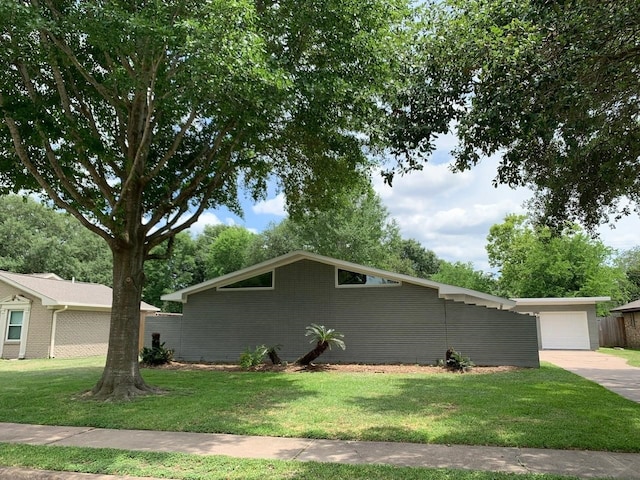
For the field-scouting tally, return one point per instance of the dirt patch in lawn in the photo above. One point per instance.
(330, 367)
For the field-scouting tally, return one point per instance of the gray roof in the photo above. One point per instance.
(56, 292)
(629, 307)
(449, 292)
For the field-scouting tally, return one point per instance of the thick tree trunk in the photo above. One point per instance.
(313, 354)
(121, 379)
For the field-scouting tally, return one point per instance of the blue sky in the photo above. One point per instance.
(448, 213)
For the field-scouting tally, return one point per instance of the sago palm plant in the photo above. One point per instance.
(324, 338)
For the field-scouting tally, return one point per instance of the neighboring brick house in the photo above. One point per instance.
(631, 314)
(42, 316)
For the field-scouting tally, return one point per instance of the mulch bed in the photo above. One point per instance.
(329, 367)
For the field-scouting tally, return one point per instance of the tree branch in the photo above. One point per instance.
(44, 184)
(174, 147)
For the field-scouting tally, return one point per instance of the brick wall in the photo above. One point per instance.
(632, 329)
(81, 334)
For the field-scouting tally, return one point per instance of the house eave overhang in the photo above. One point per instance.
(55, 303)
(558, 301)
(77, 306)
(45, 300)
(628, 307)
(447, 292)
(90, 307)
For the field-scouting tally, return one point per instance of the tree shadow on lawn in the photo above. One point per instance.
(548, 409)
(206, 401)
(217, 402)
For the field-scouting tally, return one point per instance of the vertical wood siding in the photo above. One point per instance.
(405, 324)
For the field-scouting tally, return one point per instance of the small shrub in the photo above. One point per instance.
(252, 358)
(272, 353)
(157, 355)
(456, 361)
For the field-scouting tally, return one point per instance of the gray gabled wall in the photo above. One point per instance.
(391, 324)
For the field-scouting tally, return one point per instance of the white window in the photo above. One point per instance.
(15, 324)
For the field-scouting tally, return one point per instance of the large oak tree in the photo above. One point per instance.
(552, 87)
(137, 115)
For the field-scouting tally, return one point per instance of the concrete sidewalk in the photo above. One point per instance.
(583, 464)
(609, 371)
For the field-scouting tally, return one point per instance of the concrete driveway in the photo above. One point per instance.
(609, 371)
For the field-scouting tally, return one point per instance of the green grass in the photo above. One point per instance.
(545, 408)
(632, 356)
(192, 467)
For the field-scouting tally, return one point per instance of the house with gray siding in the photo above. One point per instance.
(43, 316)
(385, 317)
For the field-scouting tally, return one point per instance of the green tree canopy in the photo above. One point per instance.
(137, 116)
(464, 275)
(551, 87)
(35, 238)
(356, 228)
(629, 262)
(422, 262)
(174, 270)
(536, 261)
(229, 251)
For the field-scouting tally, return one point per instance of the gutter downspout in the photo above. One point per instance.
(54, 324)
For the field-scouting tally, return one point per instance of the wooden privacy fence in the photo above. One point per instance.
(611, 332)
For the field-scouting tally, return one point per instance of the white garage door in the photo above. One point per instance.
(564, 330)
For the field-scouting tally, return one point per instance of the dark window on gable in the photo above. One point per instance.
(264, 280)
(347, 277)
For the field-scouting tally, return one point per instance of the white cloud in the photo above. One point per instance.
(272, 206)
(451, 213)
(207, 218)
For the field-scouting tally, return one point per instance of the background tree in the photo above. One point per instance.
(35, 238)
(629, 262)
(422, 262)
(137, 116)
(535, 261)
(464, 275)
(202, 245)
(173, 271)
(356, 227)
(275, 240)
(551, 87)
(229, 251)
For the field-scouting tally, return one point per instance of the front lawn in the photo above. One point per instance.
(632, 356)
(546, 407)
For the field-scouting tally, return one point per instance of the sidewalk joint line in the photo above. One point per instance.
(304, 449)
(89, 429)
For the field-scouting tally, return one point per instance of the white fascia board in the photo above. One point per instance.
(79, 306)
(89, 307)
(522, 302)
